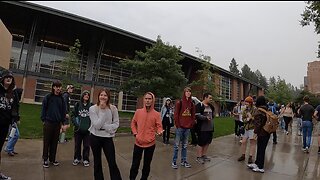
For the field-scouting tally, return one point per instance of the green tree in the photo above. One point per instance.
(314, 100)
(233, 67)
(261, 80)
(156, 70)
(205, 80)
(279, 91)
(245, 71)
(311, 14)
(70, 65)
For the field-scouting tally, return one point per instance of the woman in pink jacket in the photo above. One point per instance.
(145, 125)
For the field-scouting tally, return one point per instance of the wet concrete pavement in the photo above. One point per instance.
(284, 161)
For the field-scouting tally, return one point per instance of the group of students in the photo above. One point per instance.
(250, 121)
(96, 125)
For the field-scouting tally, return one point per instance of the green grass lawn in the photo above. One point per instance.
(223, 126)
(31, 125)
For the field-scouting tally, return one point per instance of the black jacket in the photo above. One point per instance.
(201, 118)
(9, 106)
(53, 109)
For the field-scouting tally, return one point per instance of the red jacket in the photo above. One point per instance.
(184, 114)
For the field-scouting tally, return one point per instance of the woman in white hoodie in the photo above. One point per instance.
(104, 124)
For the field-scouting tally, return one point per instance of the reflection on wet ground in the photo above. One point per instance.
(285, 161)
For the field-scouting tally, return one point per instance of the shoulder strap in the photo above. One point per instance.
(263, 110)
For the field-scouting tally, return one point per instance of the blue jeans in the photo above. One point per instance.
(307, 133)
(181, 136)
(12, 141)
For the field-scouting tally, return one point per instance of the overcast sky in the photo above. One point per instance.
(264, 35)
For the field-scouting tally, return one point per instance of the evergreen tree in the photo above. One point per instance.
(246, 72)
(233, 67)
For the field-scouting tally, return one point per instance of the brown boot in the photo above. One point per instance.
(242, 157)
(250, 161)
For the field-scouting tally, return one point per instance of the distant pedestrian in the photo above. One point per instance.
(82, 123)
(53, 115)
(145, 125)
(104, 124)
(287, 114)
(236, 112)
(204, 115)
(317, 115)
(9, 108)
(66, 125)
(184, 118)
(260, 119)
(272, 108)
(306, 111)
(299, 121)
(167, 120)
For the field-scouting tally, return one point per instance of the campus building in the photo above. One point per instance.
(313, 77)
(41, 37)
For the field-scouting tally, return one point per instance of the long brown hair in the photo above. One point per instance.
(107, 91)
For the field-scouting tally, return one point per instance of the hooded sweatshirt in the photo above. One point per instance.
(9, 102)
(81, 118)
(145, 124)
(184, 114)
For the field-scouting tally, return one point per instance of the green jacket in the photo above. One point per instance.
(81, 119)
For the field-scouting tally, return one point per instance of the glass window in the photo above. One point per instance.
(129, 102)
(43, 87)
(225, 87)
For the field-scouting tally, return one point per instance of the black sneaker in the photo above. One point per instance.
(319, 150)
(55, 163)
(45, 164)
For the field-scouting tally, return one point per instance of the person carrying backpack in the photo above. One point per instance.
(184, 119)
(82, 122)
(260, 119)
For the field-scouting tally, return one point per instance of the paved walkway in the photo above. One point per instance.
(284, 161)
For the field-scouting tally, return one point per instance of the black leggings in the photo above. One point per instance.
(287, 121)
(237, 125)
(166, 127)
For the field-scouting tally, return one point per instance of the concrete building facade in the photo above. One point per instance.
(313, 77)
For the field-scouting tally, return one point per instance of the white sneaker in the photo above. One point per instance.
(4, 177)
(258, 170)
(86, 163)
(75, 162)
(252, 166)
